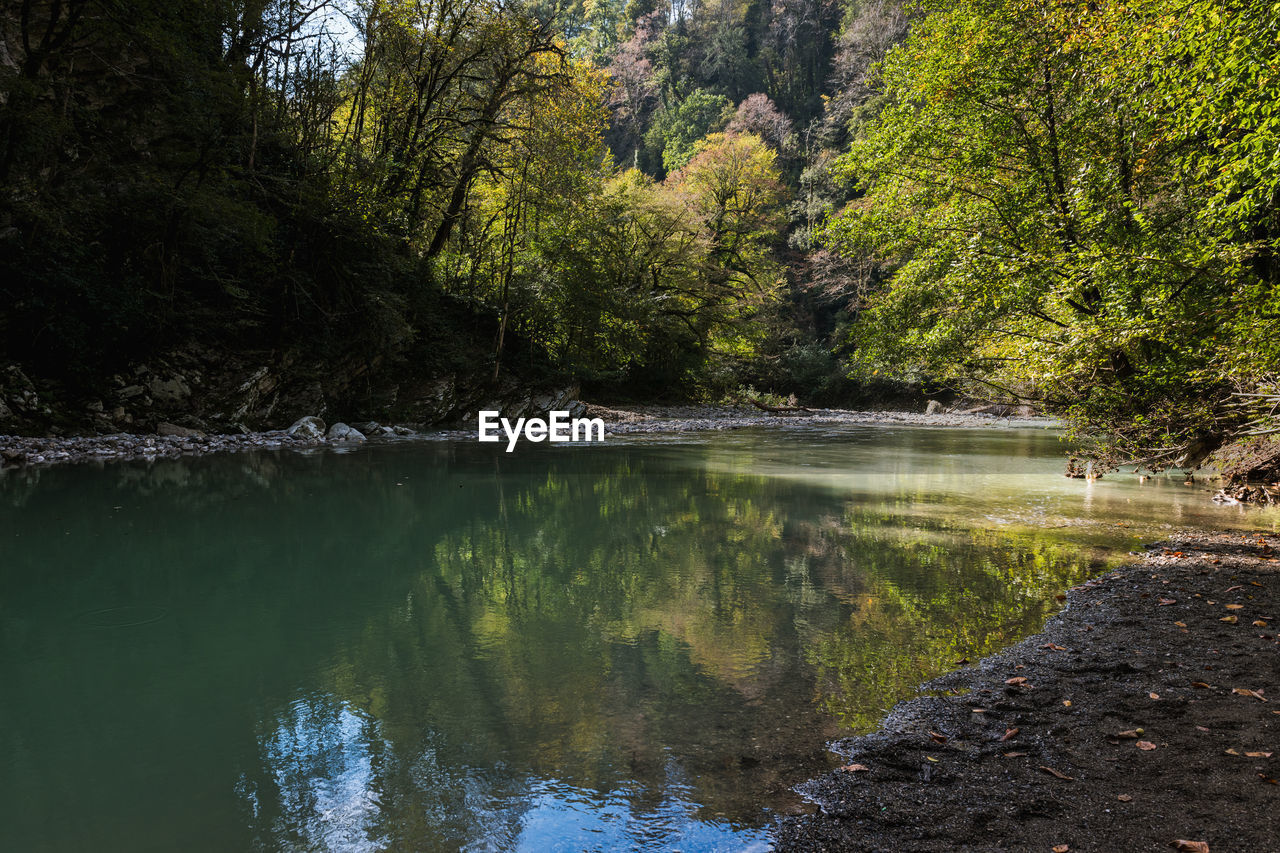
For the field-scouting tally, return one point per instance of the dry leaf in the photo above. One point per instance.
(1057, 773)
(1230, 620)
(1054, 647)
(1234, 588)
(938, 738)
(1125, 798)
(1185, 846)
(1257, 755)
(1146, 745)
(1200, 684)
(1201, 729)
(855, 768)
(1008, 733)
(1181, 624)
(1231, 752)
(1259, 623)
(1133, 733)
(1235, 607)
(1154, 695)
(978, 710)
(1165, 602)
(1060, 848)
(1014, 754)
(1017, 679)
(1268, 779)
(1066, 703)
(1244, 691)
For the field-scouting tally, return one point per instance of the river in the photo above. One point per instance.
(434, 646)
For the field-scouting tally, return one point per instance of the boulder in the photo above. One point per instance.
(934, 408)
(307, 427)
(171, 392)
(342, 432)
(180, 431)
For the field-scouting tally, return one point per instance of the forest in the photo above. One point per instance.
(1066, 204)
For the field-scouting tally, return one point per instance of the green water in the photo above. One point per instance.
(636, 645)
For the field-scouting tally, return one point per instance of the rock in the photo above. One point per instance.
(170, 392)
(5, 411)
(180, 431)
(402, 430)
(368, 427)
(934, 408)
(342, 432)
(307, 427)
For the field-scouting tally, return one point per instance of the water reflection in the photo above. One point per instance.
(437, 647)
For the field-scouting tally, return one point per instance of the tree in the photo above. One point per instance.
(1041, 200)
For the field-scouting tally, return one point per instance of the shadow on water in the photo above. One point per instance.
(641, 645)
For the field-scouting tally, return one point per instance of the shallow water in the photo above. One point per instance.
(636, 645)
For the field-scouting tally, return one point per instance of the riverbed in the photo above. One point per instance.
(640, 644)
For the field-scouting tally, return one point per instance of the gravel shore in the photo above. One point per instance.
(22, 450)
(1144, 715)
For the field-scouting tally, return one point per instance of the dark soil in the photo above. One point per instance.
(987, 765)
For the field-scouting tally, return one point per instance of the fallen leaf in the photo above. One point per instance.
(1066, 703)
(1054, 646)
(1268, 779)
(1201, 729)
(1259, 623)
(1257, 755)
(1244, 691)
(855, 768)
(1133, 733)
(1017, 679)
(1185, 846)
(1165, 602)
(938, 738)
(1009, 733)
(1154, 695)
(1125, 798)
(1146, 745)
(1230, 752)
(978, 710)
(1057, 773)
(1014, 754)
(1060, 848)
(1234, 588)
(1181, 624)
(931, 758)
(1230, 620)
(1234, 606)
(1200, 684)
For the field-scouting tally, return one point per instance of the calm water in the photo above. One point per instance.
(640, 645)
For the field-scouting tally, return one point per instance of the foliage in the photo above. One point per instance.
(1067, 218)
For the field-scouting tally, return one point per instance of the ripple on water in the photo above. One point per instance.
(123, 616)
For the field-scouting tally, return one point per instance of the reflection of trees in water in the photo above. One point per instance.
(593, 626)
(435, 633)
